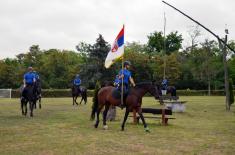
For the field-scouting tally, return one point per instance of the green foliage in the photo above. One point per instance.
(173, 42)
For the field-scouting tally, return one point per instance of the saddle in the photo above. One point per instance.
(116, 93)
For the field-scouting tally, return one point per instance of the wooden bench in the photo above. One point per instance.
(163, 112)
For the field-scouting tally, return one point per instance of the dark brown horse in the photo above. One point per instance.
(107, 96)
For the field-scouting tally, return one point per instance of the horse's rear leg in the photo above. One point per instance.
(105, 116)
(76, 100)
(143, 120)
(125, 118)
(97, 116)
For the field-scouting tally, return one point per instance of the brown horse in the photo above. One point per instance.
(107, 96)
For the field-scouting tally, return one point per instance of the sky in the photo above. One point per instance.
(62, 24)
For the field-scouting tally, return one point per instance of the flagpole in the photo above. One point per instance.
(122, 74)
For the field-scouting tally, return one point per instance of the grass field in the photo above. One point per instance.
(60, 128)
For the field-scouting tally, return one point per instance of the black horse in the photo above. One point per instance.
(171, 90)
(77, 91)
(107, 96)
(28, 95)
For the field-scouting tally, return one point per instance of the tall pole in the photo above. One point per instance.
(122, 80)
(122, 76)
(164, 50)
(226, 83)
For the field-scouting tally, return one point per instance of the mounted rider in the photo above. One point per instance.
(125, 76)
(164, 84)
(77, 82)
(29, 80)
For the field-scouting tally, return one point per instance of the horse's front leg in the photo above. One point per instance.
(125, 118)
(105, 116)
(143, 120)
(39, 101)
(73, 100)
(76, 99)
(31, 105)
(22, 106)
(35, 104)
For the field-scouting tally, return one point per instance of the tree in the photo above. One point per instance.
(156, 42)
(194, 32)
(93, 69)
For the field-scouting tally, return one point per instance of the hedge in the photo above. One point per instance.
(67, 93)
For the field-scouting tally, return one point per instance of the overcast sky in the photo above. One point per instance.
(62, 24)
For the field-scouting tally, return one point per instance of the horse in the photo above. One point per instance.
(171, 90)
(38, 90)
(76, 91)
(28, 95)
(107, 97)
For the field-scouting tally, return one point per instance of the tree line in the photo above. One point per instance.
(198, 66)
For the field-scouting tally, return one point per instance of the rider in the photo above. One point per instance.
(77, 82)
(125, 76)
(164, 84)
(29, 79)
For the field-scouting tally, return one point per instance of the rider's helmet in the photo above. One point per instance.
(127, 63)
(77, 76)
(30, 68)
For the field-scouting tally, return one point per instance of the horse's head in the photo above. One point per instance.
(151, 88)
(155, 91)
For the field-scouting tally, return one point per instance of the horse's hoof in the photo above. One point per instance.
(105, 127)
(96, 126)
(146, 129)
(31, 115)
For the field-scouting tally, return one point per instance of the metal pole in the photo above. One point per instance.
(164, 72)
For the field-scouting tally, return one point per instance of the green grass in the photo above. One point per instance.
(60, 128)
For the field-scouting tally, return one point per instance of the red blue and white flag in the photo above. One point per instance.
(117, 49)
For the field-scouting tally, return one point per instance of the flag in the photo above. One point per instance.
(117, 49)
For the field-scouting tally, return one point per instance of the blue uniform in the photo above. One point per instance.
(77, 82)
(164, 84)
(29, 77)
(127, 75)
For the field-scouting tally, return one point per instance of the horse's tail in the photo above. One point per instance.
(95, 104)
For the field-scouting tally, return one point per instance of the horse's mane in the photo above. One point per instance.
(143, 84)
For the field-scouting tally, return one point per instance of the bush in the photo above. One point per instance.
(67, 93)
(52, 93)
